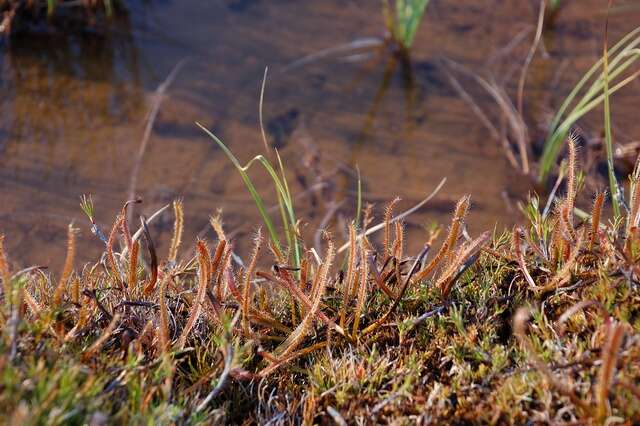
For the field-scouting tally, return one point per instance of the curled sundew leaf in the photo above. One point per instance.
(5, 272)
(215, 271)
(133, 266)
(152, 254)
(115, 270)
(596, 212)
(136, 236)
(380, 321)
(398, 243)
(454, 229)
(285, 280)
(388, 213)
(124, 225)
(447, 279)
(565, 215)
(163, 335)
(378, 279)
(255, 314)
(247, 294)
(349, 279)
(196, 307)
(610, 353)
(178, 227)
(279, 362)
(68, 265)
(362, 290)
(295, 338)
(564, 274)
(31, 302)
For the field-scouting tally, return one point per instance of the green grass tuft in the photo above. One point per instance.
(403, 18)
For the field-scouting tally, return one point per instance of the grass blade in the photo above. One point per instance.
(250, 187)
(613, 183)
(613, 63)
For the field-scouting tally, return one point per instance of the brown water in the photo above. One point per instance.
(73, 108)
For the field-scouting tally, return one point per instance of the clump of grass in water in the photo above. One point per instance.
(16, 9)
(605, 78)
(403, 18)
(53, 4)
(285, 200)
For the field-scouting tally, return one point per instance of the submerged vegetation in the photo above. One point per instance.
(539, 323)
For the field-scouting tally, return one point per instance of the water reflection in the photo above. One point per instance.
(400, 66)
(95, 72)
(66, 93)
